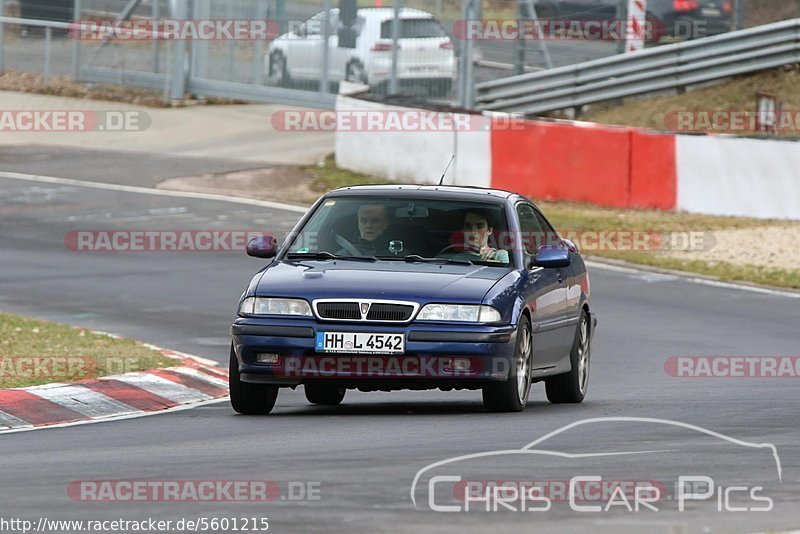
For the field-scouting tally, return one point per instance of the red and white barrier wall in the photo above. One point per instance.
(587, 162)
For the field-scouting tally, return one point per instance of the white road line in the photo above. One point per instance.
(693, 279)
(152, 191)
(84, 401)
(117, 417)
(9, 421)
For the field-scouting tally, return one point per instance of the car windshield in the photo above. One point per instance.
(410, 230)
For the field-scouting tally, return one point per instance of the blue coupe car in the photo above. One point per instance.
(382, 288)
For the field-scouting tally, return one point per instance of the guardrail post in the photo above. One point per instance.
(258, 46)
(395, 46)
(520, 44)
(178, 65)
(200, 48)
(326, 53)
(156, 45)
(48, 39)
(622, 24)
(739, 15)
(280, 15)
(466, 85)
(76, 34)
(2, 36)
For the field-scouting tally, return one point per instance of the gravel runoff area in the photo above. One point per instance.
(767, 246)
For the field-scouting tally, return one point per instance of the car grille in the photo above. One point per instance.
(378, 311)
(339, 310)
(390, 312)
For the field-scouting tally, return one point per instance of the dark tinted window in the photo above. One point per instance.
(414, 28)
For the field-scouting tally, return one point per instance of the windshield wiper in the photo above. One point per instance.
(416, 258)
(323, 255)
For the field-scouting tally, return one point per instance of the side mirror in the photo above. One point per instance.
(550, 256)
(263, 246)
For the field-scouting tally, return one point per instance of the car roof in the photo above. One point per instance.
(450, 192)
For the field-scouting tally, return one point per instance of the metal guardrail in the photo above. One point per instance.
(655, 69)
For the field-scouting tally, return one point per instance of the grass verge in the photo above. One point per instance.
(328, 176)
(34, 352)
(737, 94)
(575, 217)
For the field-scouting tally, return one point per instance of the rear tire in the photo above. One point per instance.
(512, 395)
(324, 395)
(246, 398)
(571, 387)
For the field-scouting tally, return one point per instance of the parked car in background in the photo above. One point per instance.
(688, 19)
(425, 55)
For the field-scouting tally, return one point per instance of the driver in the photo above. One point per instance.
(373, 221)
(476, 229)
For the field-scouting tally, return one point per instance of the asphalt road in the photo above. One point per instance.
(365, 454)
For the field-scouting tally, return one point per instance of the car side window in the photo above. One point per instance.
(550, 236)
(314, 25)
(532, 231)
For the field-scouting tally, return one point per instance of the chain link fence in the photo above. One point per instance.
(428, 53)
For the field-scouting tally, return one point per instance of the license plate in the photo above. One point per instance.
(358, 343)
(711, 12)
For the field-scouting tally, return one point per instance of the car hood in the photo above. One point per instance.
(381, 280)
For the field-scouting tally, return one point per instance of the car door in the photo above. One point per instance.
(305, 49)
(572, 277)
(544, 292)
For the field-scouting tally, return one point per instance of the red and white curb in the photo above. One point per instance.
(194, 382)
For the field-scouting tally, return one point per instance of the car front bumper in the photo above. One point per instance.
(427, 362)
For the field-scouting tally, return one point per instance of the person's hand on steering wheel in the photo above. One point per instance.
(487, 253)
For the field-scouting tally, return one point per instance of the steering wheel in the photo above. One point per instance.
(347, 245)
(470, 251)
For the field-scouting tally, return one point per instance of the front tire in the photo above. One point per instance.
(571, 387)
(246, 398)
(324, 395)
(512, 395)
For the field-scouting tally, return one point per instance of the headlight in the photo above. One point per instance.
(269, 306)
(459, 312)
